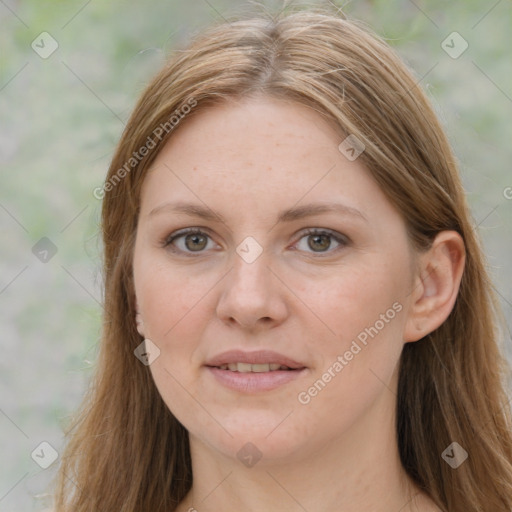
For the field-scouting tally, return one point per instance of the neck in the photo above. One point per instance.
(360, 471)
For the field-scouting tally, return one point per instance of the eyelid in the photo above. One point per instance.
(186, 231)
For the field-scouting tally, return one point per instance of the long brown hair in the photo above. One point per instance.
(126, 451)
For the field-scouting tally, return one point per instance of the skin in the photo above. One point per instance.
(247, 161)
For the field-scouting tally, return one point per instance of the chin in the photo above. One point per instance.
(257, 437)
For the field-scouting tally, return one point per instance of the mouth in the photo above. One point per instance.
(251, 372)
(255, 368)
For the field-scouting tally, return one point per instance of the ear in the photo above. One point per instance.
(436, 286)
(138, 320)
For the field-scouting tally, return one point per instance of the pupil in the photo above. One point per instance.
(316, 239)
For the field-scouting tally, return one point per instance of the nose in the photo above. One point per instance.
(252, 297)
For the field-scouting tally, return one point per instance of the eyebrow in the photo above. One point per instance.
(289, 215)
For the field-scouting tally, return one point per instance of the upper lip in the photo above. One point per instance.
(258, 357)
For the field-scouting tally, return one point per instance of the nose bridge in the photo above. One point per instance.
(251, 292)
(251, 274)
(251, 261)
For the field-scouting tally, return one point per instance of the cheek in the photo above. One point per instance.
(357, 300)
(172, 306)
(169, 300)
(357, 365)
(366, 310)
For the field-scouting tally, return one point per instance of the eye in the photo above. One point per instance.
(320, 240)
(194, 240)
(191, 240)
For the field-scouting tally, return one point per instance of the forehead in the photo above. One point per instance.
(264, 153)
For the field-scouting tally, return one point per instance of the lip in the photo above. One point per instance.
(252, 382)
(257, 357)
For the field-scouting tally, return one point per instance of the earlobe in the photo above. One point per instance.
(437, 285)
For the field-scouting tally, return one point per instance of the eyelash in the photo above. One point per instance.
(340, 239)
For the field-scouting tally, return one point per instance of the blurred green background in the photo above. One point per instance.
(61, 116)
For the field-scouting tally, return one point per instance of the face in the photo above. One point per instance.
(274, 276)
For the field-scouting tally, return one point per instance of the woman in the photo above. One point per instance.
(297, 312)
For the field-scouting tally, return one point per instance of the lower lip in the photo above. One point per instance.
(252, 382)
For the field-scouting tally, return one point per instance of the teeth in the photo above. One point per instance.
(252, 368)
(259, 368)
